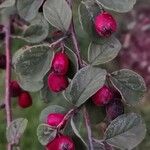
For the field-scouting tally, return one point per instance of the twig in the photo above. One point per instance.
(88, 127)
(74, 39)
(8, 78)
(67, 117)
(76, 44)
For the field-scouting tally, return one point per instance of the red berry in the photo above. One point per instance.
(54, 119)
(57, 83)
(60, 63)
(102, 96)
(105, 24)
(114, 109)
(61, 142)
(2, 61)
(25, 100)
(15, 89)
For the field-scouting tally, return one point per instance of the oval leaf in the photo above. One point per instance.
(86, 82)
(37, 31)
(87, 11)
(28, 9)
(131, 85)
(45, 134)
(103, 53)
(79, 128)
(7, 3)
(126, 131)
(73, 66)
(58, 14)
(28, 62)
(51, 109)
(118, 5)
(29, 85)
(15, 130)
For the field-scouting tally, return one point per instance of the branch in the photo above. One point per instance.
(76, 45)
(8, 78)
(88, 127)
(74, 39)
(67, 117)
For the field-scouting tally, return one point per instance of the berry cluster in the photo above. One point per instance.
(110, 100)
(57, 79)
(24, 98)
(60, 142)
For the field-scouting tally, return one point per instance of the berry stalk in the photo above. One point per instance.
(8, 78)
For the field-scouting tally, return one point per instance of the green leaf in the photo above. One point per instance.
(103, 53)
(51, 109)
(15, 130)
(29, 85)
(87, 11)
(37, 31)
(126, 131)
(7, 3)
(45, 134)
(28, 9)
(78, 126)
(28, 62)
(130, 85)
(73, 66)
(118, 5)
(58, 14)
(85, 83)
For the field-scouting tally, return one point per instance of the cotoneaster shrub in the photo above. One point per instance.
(50, 63)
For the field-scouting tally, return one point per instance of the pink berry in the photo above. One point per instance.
(15, 89)
(57, 83)
(61, 142)
(54, 119)
(105, 24)
(25, 100)
(102, 96)
(2, 61)
(60, 63)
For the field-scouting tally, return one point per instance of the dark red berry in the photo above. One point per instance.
(102, 96)
(54, 119)
(25, 100)
(105, 24)
(60, 63)
(57, 83)
(114, 109)
(2, 61)
(15, 89)
(61, 142)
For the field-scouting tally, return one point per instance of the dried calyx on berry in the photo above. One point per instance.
(57, 83)
(102, 96)
(114, 109)
(60, 63)
(2, 61)
(54, 119)
(105, 24)
(61, 142)
(15, 89)
(25, 100)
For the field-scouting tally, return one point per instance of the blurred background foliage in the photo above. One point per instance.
(134, 33)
